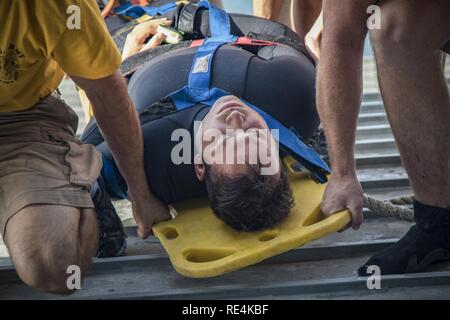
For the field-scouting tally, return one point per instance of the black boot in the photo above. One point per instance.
(112, 240)
(425, 243)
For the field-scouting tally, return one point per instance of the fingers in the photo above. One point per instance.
(163, 216)
(151, 27)
(330, 207)
(355, 206)
(142, 31)
(356, 209)
(142, 232)
(156, 40)
(164, 21)
(345, 228)
(159, 21)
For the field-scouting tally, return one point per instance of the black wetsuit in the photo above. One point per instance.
(283, 85)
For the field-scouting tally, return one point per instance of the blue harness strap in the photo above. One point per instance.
(198, 90)
(115, 184)
(198, 87)
(135, 11)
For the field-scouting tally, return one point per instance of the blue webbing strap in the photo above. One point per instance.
(199, 81)
(116, 185)
(136, 11)
(219, 22)
(304, 154)
(198, 91)
(198, 87)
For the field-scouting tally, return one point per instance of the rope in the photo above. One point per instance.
(392, 207)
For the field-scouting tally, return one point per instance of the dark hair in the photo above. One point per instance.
(249, 202)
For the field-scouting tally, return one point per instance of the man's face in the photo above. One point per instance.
(234, 138)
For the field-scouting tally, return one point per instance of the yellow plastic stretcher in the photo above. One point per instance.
(200, 245)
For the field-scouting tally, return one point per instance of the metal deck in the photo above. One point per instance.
(324, 269)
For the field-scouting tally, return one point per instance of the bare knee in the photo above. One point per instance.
(44, 244)
(48, 273)
(409, 28)
(48, 267)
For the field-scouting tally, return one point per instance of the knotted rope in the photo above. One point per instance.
(392, 207)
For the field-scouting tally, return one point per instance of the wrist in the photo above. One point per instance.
(343, 168)
(140, 192)
(347, 173)
(343, 164)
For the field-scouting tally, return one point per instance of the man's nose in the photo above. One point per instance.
(235, 120)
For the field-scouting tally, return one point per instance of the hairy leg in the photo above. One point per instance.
(269, 9)
(43, 240)
(415, 93)
(308, 13)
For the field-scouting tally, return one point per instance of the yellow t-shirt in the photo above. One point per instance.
(42, 39)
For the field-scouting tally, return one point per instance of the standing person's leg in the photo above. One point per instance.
(308, 12)
(299, 15)
(416, 97)
(415, 91)
(268, 9)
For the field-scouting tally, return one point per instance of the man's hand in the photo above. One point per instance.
(147, 211)
(341, 193)
(135, 41)
(144, 30)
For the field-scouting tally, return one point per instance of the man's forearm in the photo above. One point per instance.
(339, 81)
(119, 123)
(339, 91)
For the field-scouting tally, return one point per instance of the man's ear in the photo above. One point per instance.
(200, 171)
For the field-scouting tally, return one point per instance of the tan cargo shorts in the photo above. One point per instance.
(41, 160)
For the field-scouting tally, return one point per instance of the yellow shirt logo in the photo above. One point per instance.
(36, 48)
(9, 64)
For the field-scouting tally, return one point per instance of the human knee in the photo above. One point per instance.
(391, 37)
(45, 278)
(42, 245)
(404, 31)
(47, 268)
